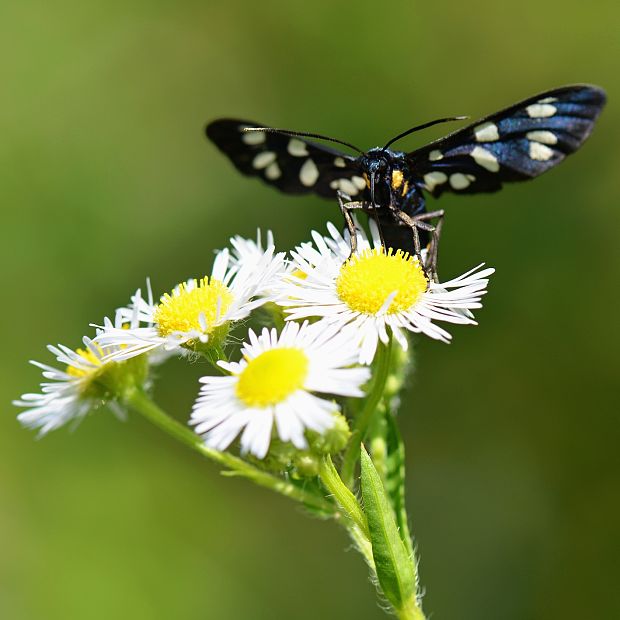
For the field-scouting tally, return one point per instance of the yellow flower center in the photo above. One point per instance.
(367, 279)
(272, 377)
(89, 356)
(181, 310)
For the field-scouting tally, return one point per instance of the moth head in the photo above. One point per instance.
(376, 162)
(377, 166)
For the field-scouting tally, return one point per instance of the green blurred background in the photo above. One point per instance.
(105, 177)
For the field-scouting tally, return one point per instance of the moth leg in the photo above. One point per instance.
(346, 206)
(407, 220)
(435, 230)
(418, 222)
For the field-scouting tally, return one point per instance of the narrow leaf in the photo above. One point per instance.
(394, 565)
(395, 480)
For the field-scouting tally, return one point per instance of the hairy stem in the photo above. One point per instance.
(366, 415)
(341, 493)
(355, 522)
(411, 611)
(137, 400)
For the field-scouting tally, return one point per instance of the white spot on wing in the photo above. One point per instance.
(339, 162)
(433, 179)
(347, 187)
(486, 132)
(541, 110)
(540, 152)
(262, 160)
(545, 137)
(309, 173)
(358, 182)
(459, 181)
(273, 171)
(548, 100)
(485, 158)
(253, 138)
(297, 148)
(435, 155)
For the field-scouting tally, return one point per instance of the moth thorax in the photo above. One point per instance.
(397, 179)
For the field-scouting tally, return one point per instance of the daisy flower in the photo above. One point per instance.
(197, 312)
(88, 381)
(249, 251)
(375, 290)
(273, 386)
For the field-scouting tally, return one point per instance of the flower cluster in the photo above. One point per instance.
(335, 308)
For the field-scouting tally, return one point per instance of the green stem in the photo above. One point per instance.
(411, 611)
(377, 443)
(366, 415)
(356, 522)
(214, 354)
(341, 493)
(138, 401)
(363, 545)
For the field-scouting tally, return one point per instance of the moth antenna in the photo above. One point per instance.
(302, 134)
(447, 119)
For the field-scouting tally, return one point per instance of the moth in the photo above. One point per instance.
(517, 143)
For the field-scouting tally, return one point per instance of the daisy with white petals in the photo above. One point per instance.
(246, 251)
(198, 312)
(273, 385)
(87, 381)
(375, 290)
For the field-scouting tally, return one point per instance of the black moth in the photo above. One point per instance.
(514, 144)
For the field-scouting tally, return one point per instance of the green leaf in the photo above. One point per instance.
(395, 480)
(394, 565)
